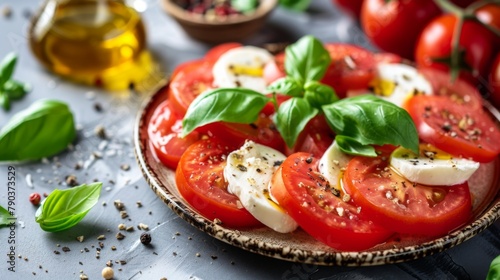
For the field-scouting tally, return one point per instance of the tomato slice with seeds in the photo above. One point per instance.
(401, 205)
(352, 68)
(315, 139)
(200, 180)
(460, 91)
(320, 209)
(164, 129)
(454, 128)
(189, 81)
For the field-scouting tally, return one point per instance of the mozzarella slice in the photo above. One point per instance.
(396, 83)
(432, 167)
(248, 172)
(332, 164)
(242, 67)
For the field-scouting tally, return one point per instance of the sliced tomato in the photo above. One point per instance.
(314, 139)
(352, 68)
(275, 69)
(164, 130)
(319, 209)
(454, 128)
(200, 180)
(401, 205)
(214, 53)
(460, 90)
(189, 81)
(262, 131)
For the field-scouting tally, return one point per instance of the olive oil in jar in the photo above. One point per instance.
(83, 38)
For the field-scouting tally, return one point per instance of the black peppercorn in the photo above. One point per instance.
(145, 238)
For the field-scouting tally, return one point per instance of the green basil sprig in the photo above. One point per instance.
(63, 209)
(10, 89)
(5, 217)
(43, 129)
(358, 122)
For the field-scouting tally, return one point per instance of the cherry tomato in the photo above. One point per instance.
(189, 81)
(495, 82)
(435, 43)
(351, 7)
(394, 26)
(460, 90)
(314, 139)
(454, 128)
(214, 53)
(320, 209)
(387, 58)
(401, 205)
(200, 180)
(164, 130)
(490, 14)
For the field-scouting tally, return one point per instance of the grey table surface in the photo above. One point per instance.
(178, 251)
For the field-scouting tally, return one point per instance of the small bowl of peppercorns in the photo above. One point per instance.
(218, 21)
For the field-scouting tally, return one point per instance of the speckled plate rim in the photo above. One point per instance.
(289, 253)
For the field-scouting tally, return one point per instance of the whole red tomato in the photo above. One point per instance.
(495, 82)
(490, 14)
(394, 26)
(435, 43)
(352, 7)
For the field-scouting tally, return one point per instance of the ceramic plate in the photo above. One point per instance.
(299, 246)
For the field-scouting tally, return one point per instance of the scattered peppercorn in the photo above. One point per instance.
(146, 238)
(35, 198)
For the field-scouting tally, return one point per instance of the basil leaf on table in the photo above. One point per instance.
(43, 129)
(370, 120)
(4, 100)
(292, 117)
(15, 89)
(63, 209)
(236, 105)
(494, 270)
(7, 67)
(5, 217)
(306, 60)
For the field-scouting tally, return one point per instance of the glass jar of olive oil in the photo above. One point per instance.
(87, 39)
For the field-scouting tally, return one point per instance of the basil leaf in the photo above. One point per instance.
(4, 101)
(292, 117)
(494, 270)
(43, 129)
(15, 89)
(286, 86)
(6, 218)
(353, 147)
(372, 121)
(297, 5)
(318, 94)
(63, 209)
(7, 67)
(237, 105)
(244, 6)
(306, 60)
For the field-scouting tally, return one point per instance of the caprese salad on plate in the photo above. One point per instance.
(359, 150)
